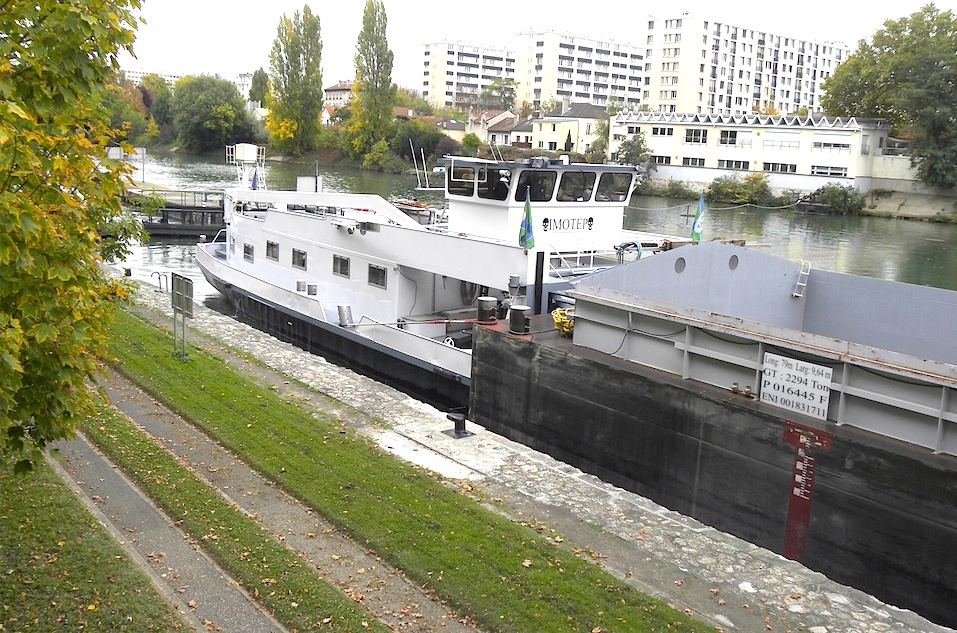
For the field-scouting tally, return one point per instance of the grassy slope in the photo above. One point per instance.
(506, 576)
(61, 570)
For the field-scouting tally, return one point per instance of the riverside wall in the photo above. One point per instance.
(865, 510)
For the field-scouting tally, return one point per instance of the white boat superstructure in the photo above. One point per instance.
(353, 275)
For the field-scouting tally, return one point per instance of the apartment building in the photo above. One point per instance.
(702, 66)
(797, 152)
(455, 74)
(548, 67)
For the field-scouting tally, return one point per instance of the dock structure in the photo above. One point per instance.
(183, 214)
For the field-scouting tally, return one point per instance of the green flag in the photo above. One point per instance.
(526, 239)
(698, 219)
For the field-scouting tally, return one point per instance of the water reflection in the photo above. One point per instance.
(902, 250)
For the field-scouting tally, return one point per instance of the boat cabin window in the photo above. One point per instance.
(377, 276)
(614, 186)
(576, 186)
(340, 265)
(272, 250)
(248, 252)
(493, 184)
(461, 181)
(298, 259)
(539, 184)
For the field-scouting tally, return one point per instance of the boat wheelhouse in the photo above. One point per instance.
(352, 276)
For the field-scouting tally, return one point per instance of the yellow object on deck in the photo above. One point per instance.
(564, 320)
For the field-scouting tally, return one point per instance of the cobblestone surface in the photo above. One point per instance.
(721, 579)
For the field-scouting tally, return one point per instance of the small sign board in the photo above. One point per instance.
(796, 385)
(182, 295)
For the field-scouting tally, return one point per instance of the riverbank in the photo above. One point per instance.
(912, 206)
(723, 580)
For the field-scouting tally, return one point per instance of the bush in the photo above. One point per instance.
(840, 198)
(752, 189)
(667, 189)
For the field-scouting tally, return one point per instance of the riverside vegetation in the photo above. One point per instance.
(501, 575)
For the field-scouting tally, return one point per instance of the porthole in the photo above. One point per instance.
(733, 262)
(680, 265)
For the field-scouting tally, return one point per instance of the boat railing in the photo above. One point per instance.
(436, 352)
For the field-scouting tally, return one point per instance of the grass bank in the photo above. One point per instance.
(506, 576)
(60, 570)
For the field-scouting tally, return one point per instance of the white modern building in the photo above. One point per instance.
(548, 67)
(455, 74)
(703, 66)
(801, 153)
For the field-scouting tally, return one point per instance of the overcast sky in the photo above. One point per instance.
(228, 38)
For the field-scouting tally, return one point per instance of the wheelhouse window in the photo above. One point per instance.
(377, 276)
(298, 259)
(614, 186)
(272, 251)
(493, 183)
(461, 181)
(576, 186)
(340, 265)
(248, 252)
(540, 185)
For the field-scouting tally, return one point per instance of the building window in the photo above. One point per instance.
(552, 146)
(340, 265)
(661, 160)
(821, 170)
(662, 131)
(733, 164)
(377, 276)
(272, 251)
(784, 168)
(248, 252)
(729, 137)
(696, 136)
(692, 162)
(837, 146)
(298, 259)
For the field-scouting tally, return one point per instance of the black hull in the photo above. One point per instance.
(441, 389)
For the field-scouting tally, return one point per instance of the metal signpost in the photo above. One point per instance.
(182, 305)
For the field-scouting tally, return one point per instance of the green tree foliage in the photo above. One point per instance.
(634, 150)
(209, 113)
(752, 189)
(470, 143)
(840, 198)
(906, 74)
(127, 111)
(499, 94)
(259, 86)
(56, 188)
(417, 134)
(159, 105)
(295, 66)
(411, 99)
(373, 93)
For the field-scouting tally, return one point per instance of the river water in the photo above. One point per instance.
(902, 250)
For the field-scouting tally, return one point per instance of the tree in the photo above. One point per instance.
(209, 113)
(569, 143)
(470, 143)
(634, 150)
(499, 94)
(295, 66)
(599, 148)
(417, 134)
(56, 188)
(259, 86)
(373, 93)
(159, 103)
(906, 74)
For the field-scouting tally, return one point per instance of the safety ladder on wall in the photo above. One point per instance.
(801, 284)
